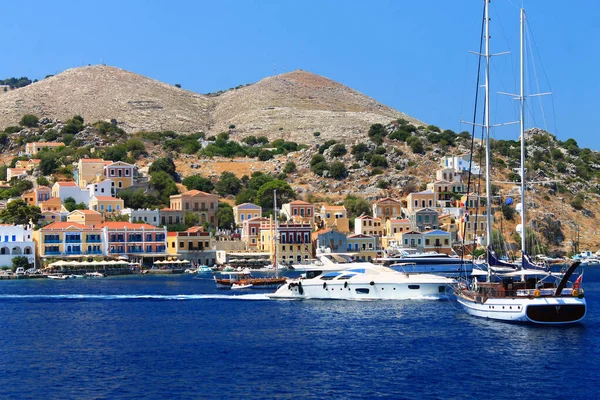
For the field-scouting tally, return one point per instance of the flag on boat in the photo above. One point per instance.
(577, 283)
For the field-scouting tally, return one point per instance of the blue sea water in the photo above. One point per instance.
(175, 337)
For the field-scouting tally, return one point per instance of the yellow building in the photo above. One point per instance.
(437, 240)
(366, 246)
(395, 226)
(294, 244)
(120, 173)
(68, 239)
(89, 171)
(30, 164)
(35, 147)
(202, 203)
(418, 200)
(85, 217)
(193, 245)
(387, 208)
(106, 205)
(367, 225)
(334, 217)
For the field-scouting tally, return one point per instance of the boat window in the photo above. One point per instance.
(414, 287)
(359, 270)
(362, 291)
(329, 276)
(344, 277)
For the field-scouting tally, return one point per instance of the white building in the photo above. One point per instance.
(102, 188)
(15, 240)
(64, 190)
(145, 215)
(461, 163)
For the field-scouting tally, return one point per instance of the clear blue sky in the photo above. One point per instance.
(410, 55)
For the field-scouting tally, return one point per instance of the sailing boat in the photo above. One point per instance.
(520, 295)
(244, 279)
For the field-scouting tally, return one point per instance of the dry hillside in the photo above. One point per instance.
(102, 93)
(291, 106)
(294, 105)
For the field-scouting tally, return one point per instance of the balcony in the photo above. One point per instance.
(135, 239)
(73, 240)
(94, 252)
(73, 252)
(52, 240)
(52, 253)
(93, 240)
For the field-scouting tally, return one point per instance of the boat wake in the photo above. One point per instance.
(159, 297)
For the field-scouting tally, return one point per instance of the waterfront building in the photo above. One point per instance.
(35, 147)
(15, 241)
(299, 211)
(205, 205)
(330, 239)
(251, 232)
(294, 244)
(60, 239)
(368, 225)
(394, 226)
(333, 217)
(89, 170)
(437, 240)
(413, 240)
(145, 215)
(246, 211)
(387, 208)
(85, 217)
(121, 173)
(193, 245)
(142, 242)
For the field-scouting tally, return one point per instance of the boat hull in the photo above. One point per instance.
(537, 310)
(361, 291)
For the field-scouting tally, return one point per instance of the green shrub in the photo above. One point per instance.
(29, 120)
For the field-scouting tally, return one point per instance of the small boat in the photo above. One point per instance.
(95, 275)
(58, 276)
(225, 280)
(237, 286)
(203, 268)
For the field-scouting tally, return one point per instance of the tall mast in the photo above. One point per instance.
(488, 180)
(522, 100)
(275, 234)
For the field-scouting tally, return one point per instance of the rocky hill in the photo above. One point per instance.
(104, 93)
(291, 106)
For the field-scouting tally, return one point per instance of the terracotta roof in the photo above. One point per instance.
(322, 231)
(49, 144)
(64, 183)
(88, 212)
(128, 225)
(360, 235)
(64, 225)
(17, 169)
(399, 220)
(171, 233)
(106, 198)
(300, 202)
(328, 207)
(387, 199)
(43, 187)
(195, 193)
(91, 160)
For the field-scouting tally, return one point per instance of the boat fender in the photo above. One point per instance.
(575, 292)
(372, 283)
(300, 290)
(324, 285)
(345, 284)
(536, 293)
(290, 286)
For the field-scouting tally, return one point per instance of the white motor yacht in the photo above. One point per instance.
(327, 262)
(369, 282)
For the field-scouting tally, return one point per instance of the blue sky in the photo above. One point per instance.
(410, 55)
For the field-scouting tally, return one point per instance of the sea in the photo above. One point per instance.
(178, 337)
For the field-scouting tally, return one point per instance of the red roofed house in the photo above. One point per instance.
(138, 241)
(106, 205)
